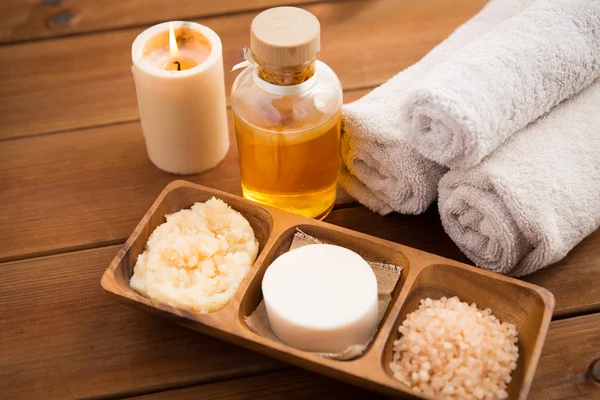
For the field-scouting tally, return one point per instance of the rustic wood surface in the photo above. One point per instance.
(75, 180)
(86, 80)
(552, 381)
(114, 186)
(89, 340)
(28, 20)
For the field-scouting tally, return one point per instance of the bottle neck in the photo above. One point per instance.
(286, 76)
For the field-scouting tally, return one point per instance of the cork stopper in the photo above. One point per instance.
(285, 37)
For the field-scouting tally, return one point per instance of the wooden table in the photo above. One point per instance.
(75, 179)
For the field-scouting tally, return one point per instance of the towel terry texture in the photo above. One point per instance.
(529, 203)
(379, 169)
(468, 105)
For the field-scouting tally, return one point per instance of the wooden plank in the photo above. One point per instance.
(561, 374)
(85, 81)
(62, 337)
(81, 189)
(295, 384)
(28, 20)
(574, 281)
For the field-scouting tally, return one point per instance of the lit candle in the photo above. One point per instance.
(178, 62)
(180, 85)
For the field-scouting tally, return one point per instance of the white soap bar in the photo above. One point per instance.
(321, 298)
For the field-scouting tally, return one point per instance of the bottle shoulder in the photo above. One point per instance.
(287, 108)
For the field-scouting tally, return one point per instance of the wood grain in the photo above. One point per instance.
(572, 344)
(295, 384)
(81, 189)
(561, 374)
(576, 278)
(27, 20)
(84, 81)
(62, 336)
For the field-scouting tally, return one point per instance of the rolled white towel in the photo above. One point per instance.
(402, 181)
(529, 203)
(468, 105)
(380, 170)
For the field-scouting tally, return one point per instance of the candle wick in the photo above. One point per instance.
(178, 65)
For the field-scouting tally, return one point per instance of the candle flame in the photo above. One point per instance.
(173, 42)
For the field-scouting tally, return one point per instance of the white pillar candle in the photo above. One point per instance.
(183, 112)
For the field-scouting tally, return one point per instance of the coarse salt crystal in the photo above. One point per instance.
(464, 353)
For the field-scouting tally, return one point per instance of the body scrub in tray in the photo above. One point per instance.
(197, 259)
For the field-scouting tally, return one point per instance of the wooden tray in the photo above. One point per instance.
(424, 275)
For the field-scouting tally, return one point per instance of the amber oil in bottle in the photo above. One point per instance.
(287, 116)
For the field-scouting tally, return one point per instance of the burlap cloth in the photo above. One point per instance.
(387, 276)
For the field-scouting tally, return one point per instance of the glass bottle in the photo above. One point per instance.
(287, 116)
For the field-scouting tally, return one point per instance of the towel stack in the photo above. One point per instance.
(482, 119)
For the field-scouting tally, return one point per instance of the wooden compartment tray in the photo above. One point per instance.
(527, 306)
